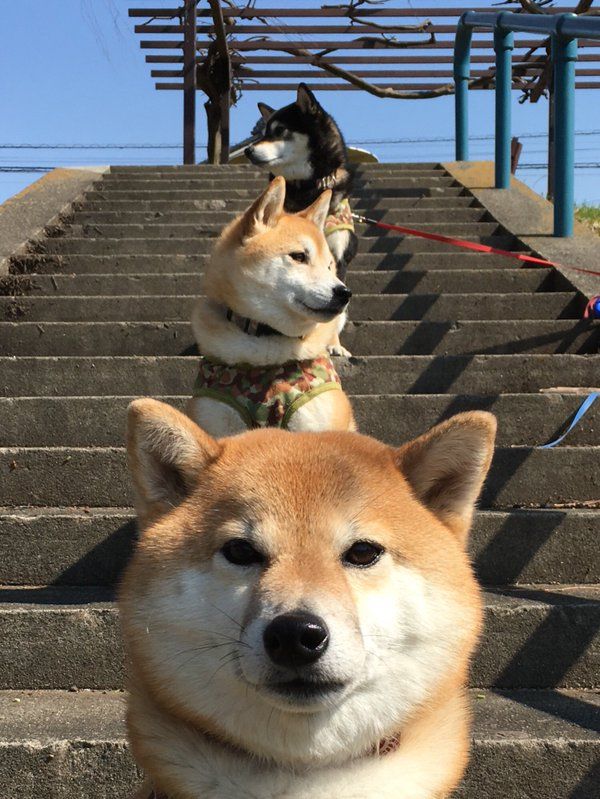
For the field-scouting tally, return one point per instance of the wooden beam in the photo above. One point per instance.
(254, 44)
(364, 73)
(320, 13)
(423, 60)
(342, 87)
(224, 100)
(189, 83)
(307, 74)
(339, 30)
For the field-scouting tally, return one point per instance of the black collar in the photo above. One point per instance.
(252, 328)
(330, 181)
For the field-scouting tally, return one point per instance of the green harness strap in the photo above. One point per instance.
(266, 397)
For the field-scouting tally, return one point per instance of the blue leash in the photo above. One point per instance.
(582, 410)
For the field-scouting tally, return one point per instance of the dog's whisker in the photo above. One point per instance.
(220, 610)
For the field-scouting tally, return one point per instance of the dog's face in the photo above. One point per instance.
(285, 148)
(300, 595)
(276, 267)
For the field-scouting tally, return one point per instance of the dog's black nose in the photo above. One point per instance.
(248, 152)
(296, 639)
(342, 293)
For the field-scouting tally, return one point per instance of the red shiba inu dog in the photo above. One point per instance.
(269, 320)
(300, 612)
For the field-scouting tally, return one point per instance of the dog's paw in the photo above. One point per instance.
(337, 349)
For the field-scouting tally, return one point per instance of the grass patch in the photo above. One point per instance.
(589, 215)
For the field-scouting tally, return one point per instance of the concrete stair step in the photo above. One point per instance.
(525, 743)
(220, 171)
(156, 229)
(149, 240)
(359, 194)
(95, 477)
(434, 281)
(534, 637)
(258, 183)
(246, 165)
(524, 419)
(127, 263)
(437, 202)
(361, 338)
(390, 307)
(375, 375)
(90, 546)
(404, 216)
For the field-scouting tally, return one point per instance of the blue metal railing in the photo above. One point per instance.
(564, 30)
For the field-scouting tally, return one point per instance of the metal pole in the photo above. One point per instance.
(551, 138)
(565, 55)
(503, 47)
(189, 83)
(462, 71)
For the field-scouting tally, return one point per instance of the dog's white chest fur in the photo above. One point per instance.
(416, 771)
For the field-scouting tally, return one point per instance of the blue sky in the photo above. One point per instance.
(72, 72)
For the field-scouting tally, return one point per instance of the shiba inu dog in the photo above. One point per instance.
(303, 144)
(269, 319)
(300, 612)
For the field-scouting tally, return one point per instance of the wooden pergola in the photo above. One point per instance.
(222, 50)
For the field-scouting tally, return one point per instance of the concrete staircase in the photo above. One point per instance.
(100, 316)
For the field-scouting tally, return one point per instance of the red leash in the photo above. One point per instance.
(469, 245)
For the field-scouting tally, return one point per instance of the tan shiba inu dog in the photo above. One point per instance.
(271, 315)
(300, 612)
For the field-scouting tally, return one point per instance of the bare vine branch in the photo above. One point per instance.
(317, 60)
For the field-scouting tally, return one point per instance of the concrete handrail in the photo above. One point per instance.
(564, 29)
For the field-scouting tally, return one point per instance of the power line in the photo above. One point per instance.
(148, 146)
(583, 165)
(26, 168)
(93, 146)
(545, 166)
(485, 137)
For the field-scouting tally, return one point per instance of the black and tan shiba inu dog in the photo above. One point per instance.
(303, 144)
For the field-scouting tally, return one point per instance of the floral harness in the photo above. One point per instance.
(266, 396)
(340, 219)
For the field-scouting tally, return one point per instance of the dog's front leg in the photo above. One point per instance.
(335, 347)
(343, 245)
(217, 418)
(330, 410)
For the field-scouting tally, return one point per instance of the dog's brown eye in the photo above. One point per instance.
(362, 553)
(300, 257)
(241, 553)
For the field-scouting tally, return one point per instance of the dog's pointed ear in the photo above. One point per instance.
(265, 211)
(446, 467)
(319, 210)
(306, 100)
(265, 110)
(166, 454)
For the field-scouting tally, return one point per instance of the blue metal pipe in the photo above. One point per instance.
(578, 27)
(543, 24)
(503, 47)
(462, 71)
(564, 50)
(564, 30)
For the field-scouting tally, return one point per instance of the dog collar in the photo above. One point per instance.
(385, 747)
(253, 328)
(326, 182)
